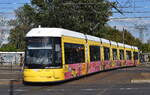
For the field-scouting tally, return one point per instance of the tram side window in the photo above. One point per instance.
(128, 55)
(114, 51)
(136, 56)
(94, 53)
(121, 52)
(74, 53)
(106, 53)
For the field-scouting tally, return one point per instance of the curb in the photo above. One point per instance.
(7, 81)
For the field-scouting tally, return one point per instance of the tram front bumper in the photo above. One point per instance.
(43, 75)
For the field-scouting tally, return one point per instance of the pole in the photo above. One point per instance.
(11, 91)
(11, 67)
(123, 36)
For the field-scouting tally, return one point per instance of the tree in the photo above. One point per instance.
(148, 41)
(86, 16)
(3, 30)
(145, 48)
(109, 33)
(17, 36)
(3, 21)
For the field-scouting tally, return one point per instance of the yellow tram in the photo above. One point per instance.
(56, 54)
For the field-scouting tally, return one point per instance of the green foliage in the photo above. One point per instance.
(9, 48)
(77, 15)
(17, 36)
(110, 34)
(86, 16)
(145, 48)
(116, 35)
(130, 39)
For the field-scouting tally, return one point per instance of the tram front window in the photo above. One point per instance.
(43, 53)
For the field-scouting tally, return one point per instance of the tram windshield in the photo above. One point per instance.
(43, 52)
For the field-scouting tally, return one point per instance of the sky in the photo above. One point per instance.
(7, 7)
(136, 13)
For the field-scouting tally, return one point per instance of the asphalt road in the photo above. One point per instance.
(126, 81)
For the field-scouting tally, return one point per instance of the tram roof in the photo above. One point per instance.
(59, 32)
(127, 46)
(92, 38)
(113, 43)
(53, 32)
(105, 41)
(120, 44)
(134, 47)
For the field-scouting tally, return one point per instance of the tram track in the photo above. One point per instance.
(95, 84)
(75, 84)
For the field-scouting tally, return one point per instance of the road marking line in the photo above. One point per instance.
(9, 73)
(89, 89)
(140, 81)
(18, 90)
(129, 88)
(7, 79)
(134, 88)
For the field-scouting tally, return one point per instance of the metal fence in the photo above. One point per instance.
(17, 58)
(11, 58)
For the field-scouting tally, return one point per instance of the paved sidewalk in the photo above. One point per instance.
(8, 73)
(125, 81)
